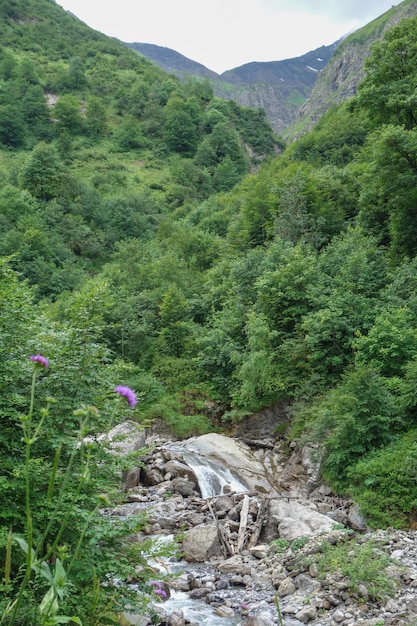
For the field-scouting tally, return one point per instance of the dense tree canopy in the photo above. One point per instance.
(167, 237)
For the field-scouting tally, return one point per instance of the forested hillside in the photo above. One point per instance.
(158, 239)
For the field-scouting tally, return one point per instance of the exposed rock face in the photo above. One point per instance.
(237, 456)
(341, 76)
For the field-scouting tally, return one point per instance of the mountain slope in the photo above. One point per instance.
(279, 87)
(341, 76)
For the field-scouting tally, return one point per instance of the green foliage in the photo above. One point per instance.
(354, 418)
(388, 188)
(183, 253)
(384, 483)
(360, 563)
(387, 92)
(43, 173)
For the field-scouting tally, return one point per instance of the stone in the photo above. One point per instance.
(286, 588)
(224, 611)
(224, 503)
(176, 618)
(237, 457)
(290, 519)
(201, 543)
(177, 469)
(338, 616)
(355, 519)
(260, 551)
(184, 487)
(258, 620)
(306, 614)
(234, 564)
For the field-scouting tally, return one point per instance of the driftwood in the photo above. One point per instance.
(249, 529)
(243, 524)
(224, 535)
(260, 518)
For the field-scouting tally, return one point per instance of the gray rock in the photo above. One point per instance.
(201, 543)
(355, 519)
(234, 564)
(184, 487)
(286, 588)
(260, 551)
(177, 469)
(224, 611)
(290, 519)
(176, 618)
(258, 620)
(306, 614)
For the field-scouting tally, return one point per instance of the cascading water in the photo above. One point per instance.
(213, 478)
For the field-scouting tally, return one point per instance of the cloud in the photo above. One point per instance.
(223, 34)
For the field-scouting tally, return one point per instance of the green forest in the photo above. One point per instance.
(158, 238)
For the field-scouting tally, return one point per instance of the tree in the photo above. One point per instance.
(43, 174)
(67, 114)
(387, 92)
(96, 117)
(388, 200)
(181, 129)
(13, 130)
(356, 417)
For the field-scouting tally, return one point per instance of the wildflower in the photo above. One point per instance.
(127, 393)
(244, 606)
(159, 591)
(41, 360)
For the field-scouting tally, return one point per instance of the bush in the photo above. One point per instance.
(384, 483)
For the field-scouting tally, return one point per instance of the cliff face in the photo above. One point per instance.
(296, 92)
(279, 87)
(340, 78)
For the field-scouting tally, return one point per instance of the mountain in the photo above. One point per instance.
(295, 92)
(279, 87)
(339, 79)
(172, 61)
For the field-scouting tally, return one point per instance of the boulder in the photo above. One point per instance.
(176, 469)
(289, 519)
(201, 543)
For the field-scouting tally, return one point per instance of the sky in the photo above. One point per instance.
(224, 34)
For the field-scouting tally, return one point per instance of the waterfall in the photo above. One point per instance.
(214, 479)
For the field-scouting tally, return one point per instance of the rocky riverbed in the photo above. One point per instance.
(289, 554)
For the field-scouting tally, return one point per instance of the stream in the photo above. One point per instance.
(214, 479)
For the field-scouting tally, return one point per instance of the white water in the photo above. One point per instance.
(212, 477)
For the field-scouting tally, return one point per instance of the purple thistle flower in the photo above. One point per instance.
(127, 393)
(244, 606)
(40, 360)
(160, 592)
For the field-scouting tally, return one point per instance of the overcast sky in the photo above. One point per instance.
(223, 34)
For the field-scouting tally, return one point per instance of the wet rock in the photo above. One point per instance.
(176, 618)
(224, 611)
(199, 593)
(177, 469)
